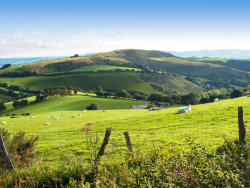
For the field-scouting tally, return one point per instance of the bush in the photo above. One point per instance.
(93, 106)
(236, 93)
(20, 148)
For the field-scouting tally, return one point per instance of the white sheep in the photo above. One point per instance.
(47, 124)
(79, 114)
(216, 100)
(55, 118)
(83, 111)
(182, 110)
(32, 116)
(189, 107)
(73, 116)
(2, 122)
(62, 114)
(104, 110)
(52, 116)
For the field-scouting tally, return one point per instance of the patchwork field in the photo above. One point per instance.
(113, 81)
(64, 139)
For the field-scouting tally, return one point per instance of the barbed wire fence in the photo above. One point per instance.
(63, 146)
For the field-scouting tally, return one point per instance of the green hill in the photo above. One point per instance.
(157, 73)
(73, 103)
(208, 124)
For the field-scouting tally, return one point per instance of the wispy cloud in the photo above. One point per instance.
(28, 44)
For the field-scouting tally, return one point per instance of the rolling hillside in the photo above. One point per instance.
(145, 71)
(209, 124)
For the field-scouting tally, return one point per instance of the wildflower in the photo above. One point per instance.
(56, 179)
(86, 129)
(29, 179)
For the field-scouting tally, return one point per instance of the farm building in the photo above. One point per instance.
(144, 106)
(137, 107)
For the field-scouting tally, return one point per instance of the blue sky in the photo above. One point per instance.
(59, 27)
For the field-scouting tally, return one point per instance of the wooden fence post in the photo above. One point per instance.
(242, 130)
(105, 142)
(128, 141)
(5, 154)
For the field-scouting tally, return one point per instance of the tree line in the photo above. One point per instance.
(191, 98)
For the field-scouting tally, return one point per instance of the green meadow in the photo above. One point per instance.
(64, 139)
(114, 81)
(95, 68)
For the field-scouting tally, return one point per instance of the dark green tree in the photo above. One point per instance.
(236, 93)
(2, 107)
(99, 91)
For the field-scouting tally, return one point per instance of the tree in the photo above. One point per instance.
(122, 94)
(6, 66)
(16, 104)
(99, 91)
(138, 96)
(236, 93)
(2, 107)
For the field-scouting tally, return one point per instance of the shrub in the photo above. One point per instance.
(93, 106)
(20, 148)
(236, 93)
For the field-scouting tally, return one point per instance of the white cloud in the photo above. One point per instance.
(23, 44)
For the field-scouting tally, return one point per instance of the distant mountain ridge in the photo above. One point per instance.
(223, 53)
(25, 60)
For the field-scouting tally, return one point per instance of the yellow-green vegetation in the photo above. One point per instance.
(15, 68)
(73, 103)
(177, 60)
(210, 59)
(118, 81)
(36, 66)
(64, 139)
(96, 68)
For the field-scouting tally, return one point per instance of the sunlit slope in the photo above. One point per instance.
(207, 123)
(75, 103)
(109, 81)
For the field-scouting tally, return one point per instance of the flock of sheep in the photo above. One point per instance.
(56, 118)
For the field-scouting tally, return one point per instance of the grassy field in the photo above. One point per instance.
(95, 68)
(108, 81)
(73, 103)
(64, 139)
(177, 60)
(204, 59)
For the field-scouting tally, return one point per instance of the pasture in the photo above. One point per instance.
(96, 68)
(64, 139)
(108, 81)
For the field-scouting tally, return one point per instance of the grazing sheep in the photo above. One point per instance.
(47, 124)
(73, 116)
(104, 110)
(189, 107)
(52, 116)
(32, 116)
(79, 114)
(216, 100)
(2, 122)
(182, 110)
(83, 111)
(89, 123)
(62, 114)
(55, 118)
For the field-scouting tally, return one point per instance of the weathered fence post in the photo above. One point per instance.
(5, 154)
(128, 141)
(242, 130)
(105, 142)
